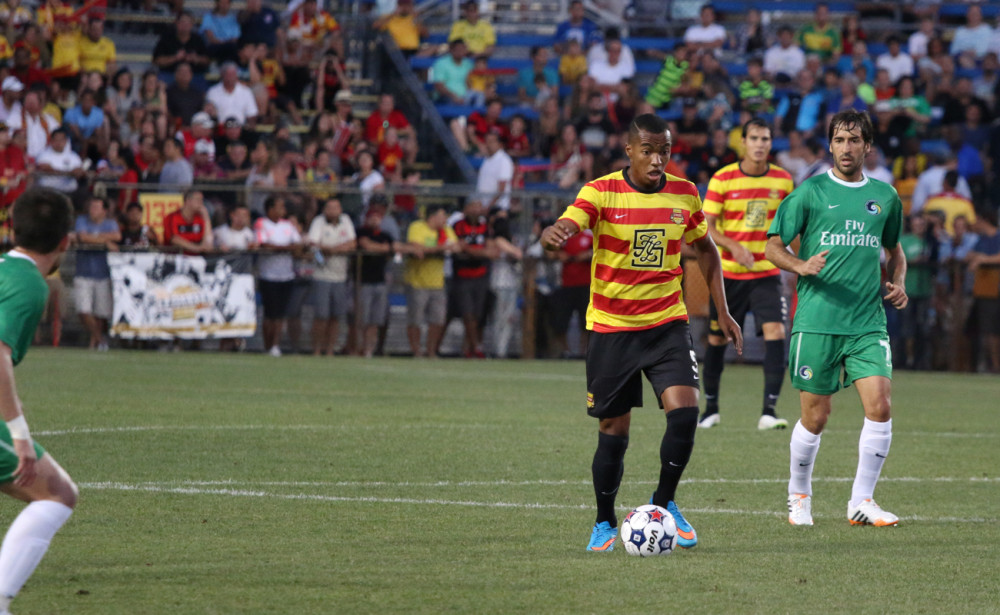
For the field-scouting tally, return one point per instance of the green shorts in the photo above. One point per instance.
(8, 460)
(823, 364)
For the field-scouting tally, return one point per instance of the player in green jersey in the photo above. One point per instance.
(42, 219)
(844, 220)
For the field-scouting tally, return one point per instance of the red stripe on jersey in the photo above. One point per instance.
(747, 235)
(603, 328)
(754, 193)
(611, 185)
(611, 244)
(633, 276)
(632, 307)
(736, 173)
(636, 215)
(696, 219)
(713, 196)
(733, 215)
(587, 208)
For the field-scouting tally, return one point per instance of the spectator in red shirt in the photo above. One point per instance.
(13, 178)
(481, 123)
(471, 282)
(25, 72)
(574, 293)
(518, 144)
(390, 155)
(190, 227)
(385, 116)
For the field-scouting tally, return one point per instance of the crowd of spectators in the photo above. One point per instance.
(258, 98)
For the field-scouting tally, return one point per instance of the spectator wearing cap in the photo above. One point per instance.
(450, 72)
(203, 163)
(404, 27)
(706, 35)
(784, 59)
(232, 130)
(201, 129)
(37, 125)
(181, 44)
(87, 124)
(259, 24)
(184, 97)
(897, 62)
(231, 98)
(176, 171)
(477, 33)
(221, 31)
(134, 233)
(496, 175)
(578, 28)
(10, 100)
(97, 52)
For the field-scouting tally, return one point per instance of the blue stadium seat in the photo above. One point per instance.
(741, 6)
(960, 8)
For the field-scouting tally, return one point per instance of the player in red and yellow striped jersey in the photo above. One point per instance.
(639, 217)
(739, 206)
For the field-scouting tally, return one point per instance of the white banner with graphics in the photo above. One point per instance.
(163, 296)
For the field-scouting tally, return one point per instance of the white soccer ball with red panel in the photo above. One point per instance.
(649, 530)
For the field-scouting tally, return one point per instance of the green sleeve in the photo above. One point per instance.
(20, 313)
(792, 215)
(894, 226)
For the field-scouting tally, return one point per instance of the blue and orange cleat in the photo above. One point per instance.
(687, 538)
(603, 537)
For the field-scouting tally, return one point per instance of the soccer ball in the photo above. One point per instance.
(649, 530)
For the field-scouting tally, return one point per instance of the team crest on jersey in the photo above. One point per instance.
(677, 216)
(648, 248)
(774, 194)
(873, 208)
(806, 372)
(756, 214)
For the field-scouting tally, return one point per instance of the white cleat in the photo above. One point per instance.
(709, 421)
(767, 422)
(275, 351)
(870, 513)
(800, 509)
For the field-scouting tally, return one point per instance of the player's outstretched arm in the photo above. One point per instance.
(553, 237)
(711, 267)
(777, 252)
(10, 410)
(896, 289)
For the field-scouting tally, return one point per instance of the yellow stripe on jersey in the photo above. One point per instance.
(636, 271)
(744, 206)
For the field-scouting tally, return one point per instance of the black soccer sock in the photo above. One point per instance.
(774, 373)
(675, 451)
(715, 361)
(608, 466)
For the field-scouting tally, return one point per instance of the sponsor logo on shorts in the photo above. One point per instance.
(590, 400)
(806, 372)
(873, 208)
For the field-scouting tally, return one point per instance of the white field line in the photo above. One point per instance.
(343, 426)
(549, 483)
(247, 493)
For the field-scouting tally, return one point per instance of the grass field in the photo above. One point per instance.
(243, 484)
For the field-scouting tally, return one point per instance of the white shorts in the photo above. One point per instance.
(92, 296)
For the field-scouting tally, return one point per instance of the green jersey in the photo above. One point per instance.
(23, 293)
(854, 221)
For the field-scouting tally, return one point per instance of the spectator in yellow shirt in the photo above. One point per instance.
(97, 52)
(951, 203)
(478, 34)
(66, 53)
(404, 27)
(572, 64)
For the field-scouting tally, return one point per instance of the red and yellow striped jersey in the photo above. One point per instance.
(636, 270)
(744, 206)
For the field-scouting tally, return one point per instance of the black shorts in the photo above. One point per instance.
(565, 301)
(616, 362)
(761, 296)
(470, 295)
(276, 296)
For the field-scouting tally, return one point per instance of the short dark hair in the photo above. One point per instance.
(272, 200)
(41, 218)
(189, 193)
(849, 119)
(758, 122)
(453, 43)
(433, 208)
(648, 122)
(951, 179)
(133, 205)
